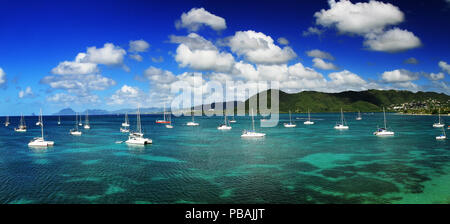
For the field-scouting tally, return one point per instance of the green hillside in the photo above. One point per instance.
(366, 101)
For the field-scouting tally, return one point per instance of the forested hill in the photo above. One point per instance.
(366, 101)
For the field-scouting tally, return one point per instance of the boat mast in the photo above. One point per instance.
(290, 119)
(76, 121)
(139, 122)
(87, 118)
(126, 117)
(253, 121)
(439, 115)
(42, 126)
(309, 116)
(342, 117)
(384, 112)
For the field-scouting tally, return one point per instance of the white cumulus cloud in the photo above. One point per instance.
(319, 54)
(259, 48)
(394, 40)
(370, 20)
(198, 53)
(138, 46)
(444, 66)
(359, 18)
(319, 63)
(399, 75)
(198, 17)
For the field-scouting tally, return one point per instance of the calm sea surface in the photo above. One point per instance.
(306, 164)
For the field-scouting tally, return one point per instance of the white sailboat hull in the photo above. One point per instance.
(252, 135)
(224, 127)
(169, 126)
(290, 125)
(308, 122)
(192, 124)
(87, 127)
(358, 118)
(20, 130)
(76, 133)
(39, 142)
(341, 127)
(139, 141)
(384, 133)
(232, 121)
(124, 130)
(442, 137)
(438, 125)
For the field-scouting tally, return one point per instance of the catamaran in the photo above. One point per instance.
(7, 121)
(252, 133)
(342, 125)
(192, 123)
(22, 126)
(86, 121)
(439, 124)
(75, 131)
(308, 122)
(126, 123)
(39, 121)
(290, 124)
(59, 120)
(358, 118)
(383, 131)
(443, 136)
(40, 141)
(225, 125)
(137, 138)
(163, 121)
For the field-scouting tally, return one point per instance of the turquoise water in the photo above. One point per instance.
(306, 164)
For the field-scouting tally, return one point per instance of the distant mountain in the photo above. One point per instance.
(96, 112)
(65, 111)
(366, 101)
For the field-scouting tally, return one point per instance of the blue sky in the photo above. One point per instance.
(358, 51)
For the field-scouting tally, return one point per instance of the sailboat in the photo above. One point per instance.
(342, 125)
(75, 131)
(86, 121)
(252, 133)
(232, 120)
(308, 122)
(59, 120)
(224, 126)
(290, 124)
(80, 124)
(40, 141)
(383, 131)
(358, 118)
(443, 136)
(137, 138)
(169, 125)
(192, 123)
(39, 120)
(126, 123)
(439, 124)
(7, 121)
(22, 126)
(163, 121)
